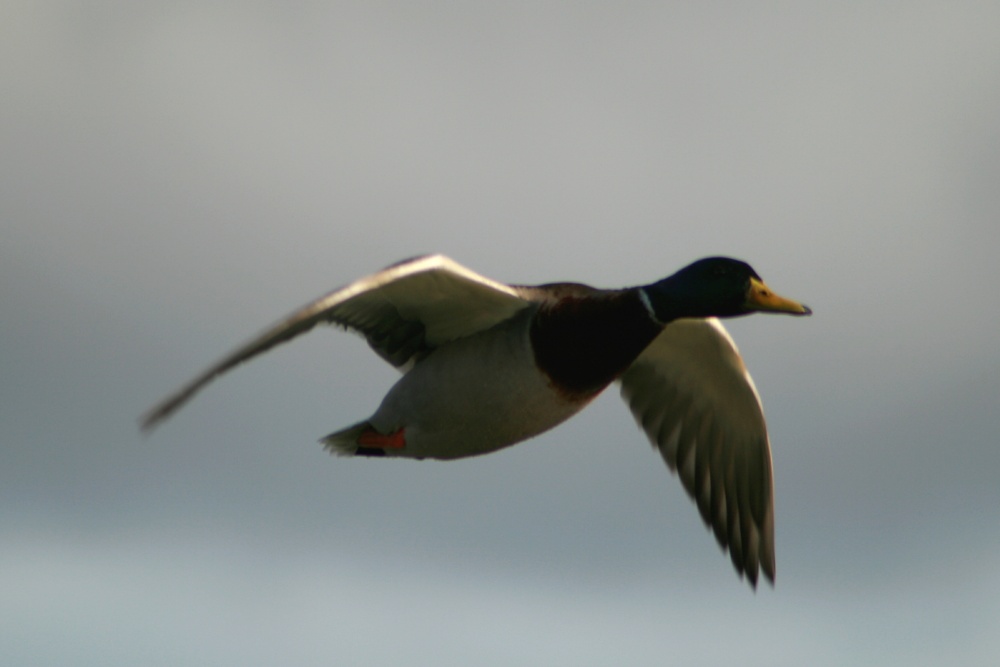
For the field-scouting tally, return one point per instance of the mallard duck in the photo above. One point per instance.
(486, 365)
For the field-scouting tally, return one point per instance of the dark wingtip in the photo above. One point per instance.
(161, 411)
(149, 421)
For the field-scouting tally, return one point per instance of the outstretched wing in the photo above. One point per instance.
(694, 398)
(404, 311)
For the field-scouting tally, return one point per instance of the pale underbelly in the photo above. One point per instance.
(474, 396)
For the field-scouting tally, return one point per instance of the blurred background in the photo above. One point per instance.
(176, 176)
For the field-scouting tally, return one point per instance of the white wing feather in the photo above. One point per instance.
(403, 311)
(692, 395)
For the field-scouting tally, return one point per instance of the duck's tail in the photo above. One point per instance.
(345, 441)
(362, 439)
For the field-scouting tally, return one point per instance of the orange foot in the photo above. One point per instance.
(372, 438)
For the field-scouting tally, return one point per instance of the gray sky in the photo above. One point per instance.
(174, 177)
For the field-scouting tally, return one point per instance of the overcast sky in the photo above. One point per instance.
(176, 176)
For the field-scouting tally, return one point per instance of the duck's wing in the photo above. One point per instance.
(692, 395)
(404, 311)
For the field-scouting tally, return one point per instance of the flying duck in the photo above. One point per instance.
(486, 365)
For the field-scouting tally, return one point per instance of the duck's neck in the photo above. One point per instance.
(672, 299)
(584, 343)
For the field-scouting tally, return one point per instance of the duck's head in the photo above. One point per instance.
(716, 287)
